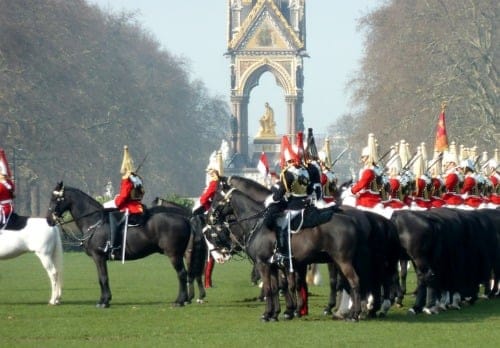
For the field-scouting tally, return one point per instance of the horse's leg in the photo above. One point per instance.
(350, 274)
(332, 279)
(303, 291)
(102, 273)
(269, 290)
(51, 270)
(201, 289)
(178, 264)
(287, 284)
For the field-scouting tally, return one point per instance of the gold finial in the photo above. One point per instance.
(444, 105)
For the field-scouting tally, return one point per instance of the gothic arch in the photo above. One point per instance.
(250, 78)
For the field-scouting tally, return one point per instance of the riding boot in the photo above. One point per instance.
(281, 252)
(113, 228)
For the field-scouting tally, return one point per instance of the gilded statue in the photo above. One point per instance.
(267, 124)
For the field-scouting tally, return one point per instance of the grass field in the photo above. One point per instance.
(141, 316)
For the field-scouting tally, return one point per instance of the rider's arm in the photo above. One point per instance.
(364, 181)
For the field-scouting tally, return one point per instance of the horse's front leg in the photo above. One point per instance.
(102, 273)
(54, 277)
(270, 291)
(178, 264)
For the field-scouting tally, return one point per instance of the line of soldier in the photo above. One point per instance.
(453, 179)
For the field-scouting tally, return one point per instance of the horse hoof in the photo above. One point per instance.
(412, 311)
(102, 305)
(264, 319)
(382, 315)
(273, 319)
(200, 301)
(288, 316)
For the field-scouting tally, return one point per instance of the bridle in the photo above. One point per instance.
(214, 220)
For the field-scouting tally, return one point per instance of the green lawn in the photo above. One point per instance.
(141, 314)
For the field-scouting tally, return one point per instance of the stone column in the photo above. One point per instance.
(240, 111)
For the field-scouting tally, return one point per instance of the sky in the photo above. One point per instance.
(196, 31)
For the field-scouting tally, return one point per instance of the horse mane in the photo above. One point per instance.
(248, 185)
(87, 196)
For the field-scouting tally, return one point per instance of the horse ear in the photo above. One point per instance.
(59, 185)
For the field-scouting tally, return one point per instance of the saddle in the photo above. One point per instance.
(15, 223)
(311, 216)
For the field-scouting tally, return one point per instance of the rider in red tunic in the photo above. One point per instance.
(7, 189)
(494, 177)
(365, 188)
(469, 188)
(127, 201)
(452, 179)
(202, 207)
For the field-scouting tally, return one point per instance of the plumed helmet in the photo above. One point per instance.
(419, 165)
(4, 165)
(3, 168)
(394, 163)
(492, 164)
(127, 162)
(287, 153)
(300, 146)
(451, 155)
(423, 150)
(311, 149)
(322, 156)
(372, 148)
(467, 163)
(365, 152)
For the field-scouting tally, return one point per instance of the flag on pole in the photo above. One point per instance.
(441, 143)
(263, 165)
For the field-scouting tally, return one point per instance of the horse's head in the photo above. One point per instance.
(57, 205)
(220, 207)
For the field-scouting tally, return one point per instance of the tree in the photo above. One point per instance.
(420, 53)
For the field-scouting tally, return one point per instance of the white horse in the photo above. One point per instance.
(45, 241)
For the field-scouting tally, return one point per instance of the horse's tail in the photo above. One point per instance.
(57, 256)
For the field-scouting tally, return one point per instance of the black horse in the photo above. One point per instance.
(196, 252)
(337, 240)
(384, 252)
(162, 232)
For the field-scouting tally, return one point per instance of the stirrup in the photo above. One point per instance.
(278, 259)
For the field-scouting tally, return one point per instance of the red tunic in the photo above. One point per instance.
(208, 194)
(366, 197)
(6, 196)
(451, 182)
(123, 200)
(471, 200)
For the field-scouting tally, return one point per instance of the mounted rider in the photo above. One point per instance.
(469, 190)
(420, 197)
(289, 196)
(7, 189)
(394, 189)
(311, 162)
(365, 193)
(128, 202)
(452, 178)
(200, 209)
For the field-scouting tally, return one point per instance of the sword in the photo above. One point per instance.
(142, 162)
(339, 156)
(289, 217)
(124, 236)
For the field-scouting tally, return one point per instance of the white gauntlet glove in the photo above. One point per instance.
(269, 200)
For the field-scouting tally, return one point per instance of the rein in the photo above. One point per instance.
(238, 221)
